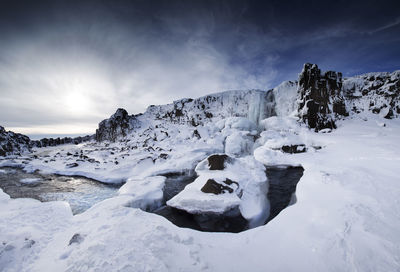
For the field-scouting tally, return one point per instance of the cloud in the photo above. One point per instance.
(65, 67)
(71, 77)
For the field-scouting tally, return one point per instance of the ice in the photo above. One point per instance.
(30, 180)
(147, 193)
(285, 96)
(239, 144)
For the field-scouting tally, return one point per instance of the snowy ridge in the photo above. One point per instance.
(378, 93)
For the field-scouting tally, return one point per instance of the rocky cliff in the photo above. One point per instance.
(13, 143)
(320, 97)
(378, 93)
(252, 104)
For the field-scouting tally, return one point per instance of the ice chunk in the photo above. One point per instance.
(30, 180)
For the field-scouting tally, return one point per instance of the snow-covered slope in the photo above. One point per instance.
(375, 92)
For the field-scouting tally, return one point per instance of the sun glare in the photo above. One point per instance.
(76, 102)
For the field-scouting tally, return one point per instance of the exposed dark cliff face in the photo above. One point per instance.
(321, 100)
(12, 143)
(118, 125)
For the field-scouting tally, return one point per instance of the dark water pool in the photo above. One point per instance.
(81, 193)
(282, 187)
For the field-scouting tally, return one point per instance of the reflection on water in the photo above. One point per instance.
(81, 193)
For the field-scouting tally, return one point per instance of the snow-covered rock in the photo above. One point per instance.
(285, 97)
(378, 93)
(147, 193)
(13, 143)
(118, 125)
(240, 184)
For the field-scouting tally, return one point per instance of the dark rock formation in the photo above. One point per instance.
(321, 100)
(294, 148)
(118, 125)
(13, 143)
(213, 187)
(217, 161)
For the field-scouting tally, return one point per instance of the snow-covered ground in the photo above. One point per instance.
(346, 217)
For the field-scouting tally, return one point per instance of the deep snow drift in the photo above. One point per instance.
(344, 215)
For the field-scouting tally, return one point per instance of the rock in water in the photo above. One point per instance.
(321, 99)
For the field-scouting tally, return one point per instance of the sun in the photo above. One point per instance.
(76, 102)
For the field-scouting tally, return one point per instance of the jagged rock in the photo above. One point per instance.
(118, 125)
(13, 143)
(321, 100)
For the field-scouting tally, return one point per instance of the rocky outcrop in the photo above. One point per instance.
(13, 143)
(118, 125)
(60, 141)
(320, 97)
(378, 93)
(255, 105)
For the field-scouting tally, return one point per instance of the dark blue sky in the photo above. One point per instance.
(65, 65)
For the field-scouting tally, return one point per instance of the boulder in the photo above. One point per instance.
(213, 187)
(118, 125)
(217, 161)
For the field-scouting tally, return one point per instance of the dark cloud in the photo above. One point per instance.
(69, 64)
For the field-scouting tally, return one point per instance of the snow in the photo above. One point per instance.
(285, 98)
(238, 144)
(147, 192)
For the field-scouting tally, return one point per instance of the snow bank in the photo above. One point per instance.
(147, 193)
